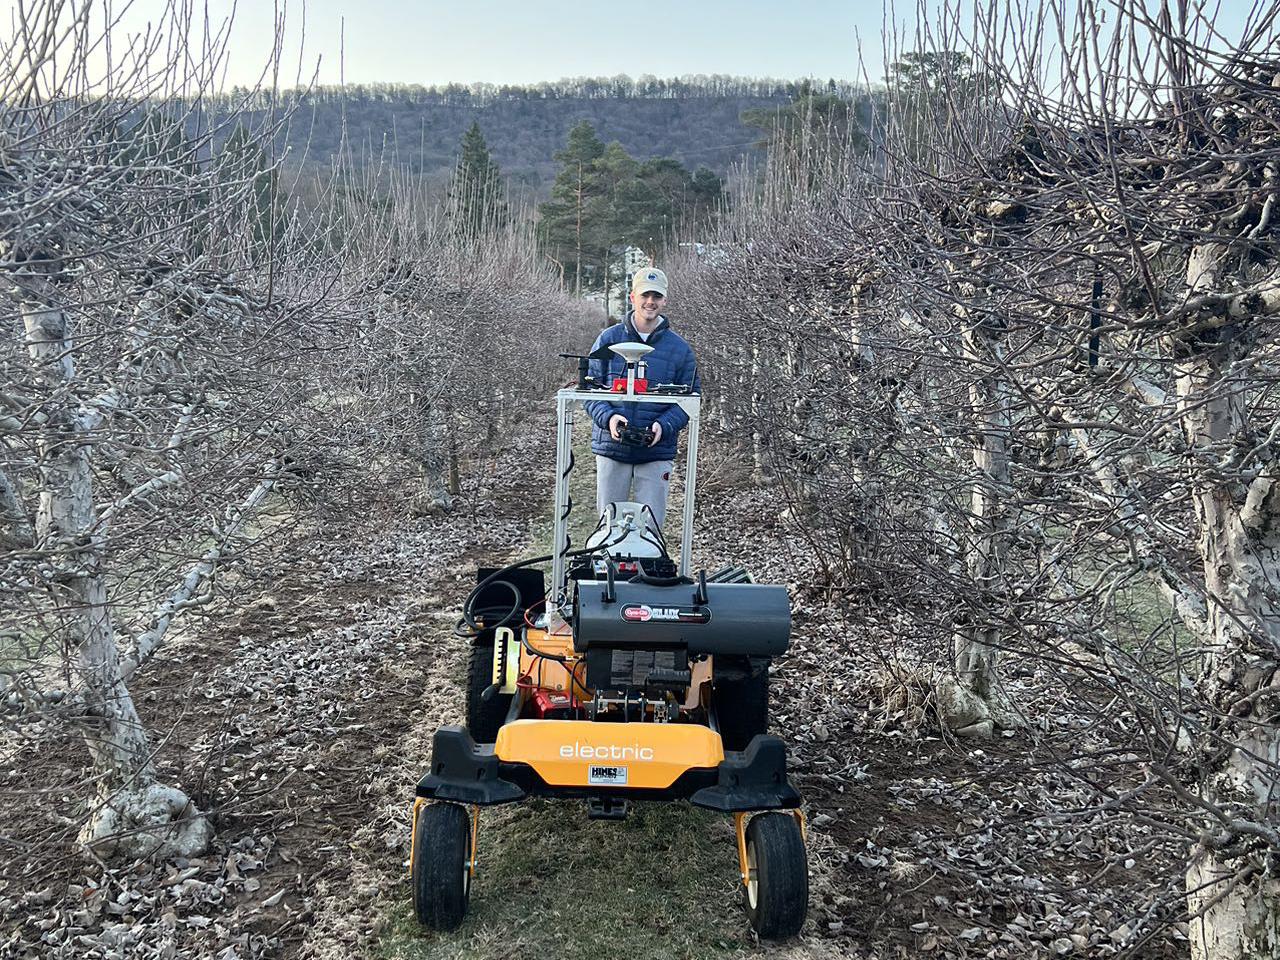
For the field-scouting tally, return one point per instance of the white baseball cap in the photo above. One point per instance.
(649, 278)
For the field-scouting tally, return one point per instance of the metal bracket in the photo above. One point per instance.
(740, 827)
(506, 660)
(418, 804)
(475, 833)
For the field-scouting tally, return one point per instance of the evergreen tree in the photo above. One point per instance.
(569, 222)
(477, 198)
(155, 150)
(648, 206)
(922, 85)
(927, 70)
(617, 170)
(604, 199)
(707, 188)
(662, 198)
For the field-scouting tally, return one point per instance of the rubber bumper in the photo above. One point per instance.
(755, 779)
(466, 772)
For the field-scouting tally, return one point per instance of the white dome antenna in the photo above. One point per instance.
(633, 354)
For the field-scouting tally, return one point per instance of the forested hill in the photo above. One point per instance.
(698, 121)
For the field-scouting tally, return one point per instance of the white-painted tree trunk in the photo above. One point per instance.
(134, 814)
(720, 405)
(1232, 892)
(972, 702)
(1239, 527)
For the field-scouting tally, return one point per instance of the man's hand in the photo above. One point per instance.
(616, 423)
(657, 432)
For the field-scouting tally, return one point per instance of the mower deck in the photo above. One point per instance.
(633, 761)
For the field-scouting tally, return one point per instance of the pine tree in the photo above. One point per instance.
(569, 221)
(477, 198)
(617, 171)
(925, 83)
(662, 198)
(928, 70)
(603, 199)
(707, 188)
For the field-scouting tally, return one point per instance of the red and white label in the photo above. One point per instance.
(643, 613)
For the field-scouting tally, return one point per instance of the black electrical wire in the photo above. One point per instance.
(568, 469)
(661, 547)
(657, 528)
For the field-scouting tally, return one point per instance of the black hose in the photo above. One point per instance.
(469, 615)
(662, 547)
(657, 528)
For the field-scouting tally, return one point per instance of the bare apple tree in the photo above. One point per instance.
(1044, 305)
(142, 366)
(444, 341)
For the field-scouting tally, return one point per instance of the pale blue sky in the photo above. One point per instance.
(504, 41)
(522, 41)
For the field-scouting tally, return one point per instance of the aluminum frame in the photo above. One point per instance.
(567, 402)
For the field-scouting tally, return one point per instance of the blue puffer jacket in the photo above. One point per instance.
(670, 362)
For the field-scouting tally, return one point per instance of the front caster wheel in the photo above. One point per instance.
(777, 888)
(441, 865)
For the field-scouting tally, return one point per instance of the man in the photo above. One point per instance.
(620, 467)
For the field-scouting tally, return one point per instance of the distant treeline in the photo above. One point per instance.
(694, 120)
(621, 87)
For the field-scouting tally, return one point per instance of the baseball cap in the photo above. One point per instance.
(649, 278)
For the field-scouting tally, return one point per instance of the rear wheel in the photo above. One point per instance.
(484, 717)
(742, 708)
(776, 894)
(441, 872)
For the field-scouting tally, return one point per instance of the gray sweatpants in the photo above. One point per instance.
(615, 479)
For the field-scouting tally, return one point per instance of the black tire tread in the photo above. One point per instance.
(484, 717)
(440, 841)
(742, 708)
(782, 869)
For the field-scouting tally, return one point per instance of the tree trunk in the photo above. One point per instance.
(134, 816)
(1234, 903)
(972, 701)
(454, 485)
(1233, 896)
(434, 457)
(758, 463)
(723, 405)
